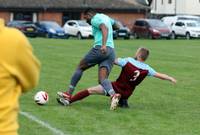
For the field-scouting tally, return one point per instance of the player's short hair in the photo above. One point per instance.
(89, 10)
(143, 53)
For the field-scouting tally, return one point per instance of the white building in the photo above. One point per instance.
(174, 7)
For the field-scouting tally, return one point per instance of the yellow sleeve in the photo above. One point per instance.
(27, 65)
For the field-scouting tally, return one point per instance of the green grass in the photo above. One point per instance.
(156, 107)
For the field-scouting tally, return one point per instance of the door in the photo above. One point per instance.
(72, 28)
(178, 28)
(183, 29)
(139, 28)
(146, 33)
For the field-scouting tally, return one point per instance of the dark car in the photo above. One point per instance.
(50, 29)
(28, 28)
(151, 28)
(123, 32)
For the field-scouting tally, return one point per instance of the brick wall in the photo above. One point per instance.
(126, 18)
(50, 16)
(5, 16)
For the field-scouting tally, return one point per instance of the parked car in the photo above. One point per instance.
(170, 20)
(123, 32)
(50, 29)
(28, 28)
(150, 28)
(188, 29)
(78, 28)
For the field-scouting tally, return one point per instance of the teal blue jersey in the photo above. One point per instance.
(96, 21)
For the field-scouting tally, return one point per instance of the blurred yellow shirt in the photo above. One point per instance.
(19, 72)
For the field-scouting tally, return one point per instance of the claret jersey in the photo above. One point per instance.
(133, 73)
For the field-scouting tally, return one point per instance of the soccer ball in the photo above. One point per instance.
(41, 97)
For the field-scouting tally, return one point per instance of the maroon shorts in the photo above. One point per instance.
(125, 93)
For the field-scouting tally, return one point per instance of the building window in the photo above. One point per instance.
(162, 2)
(23, 16)
(170, 1)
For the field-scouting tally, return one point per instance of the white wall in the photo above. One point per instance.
(192, 7)
(176, 7)
(162, 7)
(180, 6)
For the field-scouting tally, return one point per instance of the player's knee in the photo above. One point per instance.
(95, 90)
(89, 91)
(83, 65)
(103, 74)
(92, 91)
(80, 67)
(104, 70)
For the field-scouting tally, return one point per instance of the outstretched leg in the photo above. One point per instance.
(81, 95)
(84, 93)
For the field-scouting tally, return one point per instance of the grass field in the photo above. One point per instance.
(156, 108)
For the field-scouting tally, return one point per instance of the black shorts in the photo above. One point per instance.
(95, 56)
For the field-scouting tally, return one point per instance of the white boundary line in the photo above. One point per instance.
(42, 123)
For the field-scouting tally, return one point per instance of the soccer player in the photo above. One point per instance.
(19, 73)
(102, 53)
(133, 72)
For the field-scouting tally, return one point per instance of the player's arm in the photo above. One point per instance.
(165, 77)
(28, 66)
(104, 30)
(120, 62)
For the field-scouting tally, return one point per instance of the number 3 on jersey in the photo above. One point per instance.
(135, 76)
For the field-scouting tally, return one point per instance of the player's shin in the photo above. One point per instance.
(108, 87)
(74, 80)
(79, 96)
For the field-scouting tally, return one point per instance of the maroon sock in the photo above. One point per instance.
(80, 95)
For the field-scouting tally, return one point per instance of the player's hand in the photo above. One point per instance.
(103, 49)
